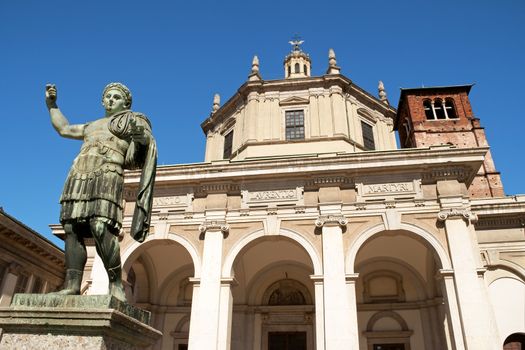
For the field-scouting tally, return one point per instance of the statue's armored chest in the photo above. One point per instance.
(100, 149)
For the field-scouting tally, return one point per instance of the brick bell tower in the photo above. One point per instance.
(442, 115)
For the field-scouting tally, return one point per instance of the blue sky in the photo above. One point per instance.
(175, 55)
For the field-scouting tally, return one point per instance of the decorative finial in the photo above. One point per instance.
(255, 64)
(382, 92)
(216, 103)
(332, 63)
(331, 58)
(296, 43)
(254, 75)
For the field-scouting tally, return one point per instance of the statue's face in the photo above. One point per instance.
(114, 101)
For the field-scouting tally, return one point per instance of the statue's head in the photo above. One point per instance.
(116, 97)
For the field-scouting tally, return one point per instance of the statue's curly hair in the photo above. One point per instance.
(123, 88)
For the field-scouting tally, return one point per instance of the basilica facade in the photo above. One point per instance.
(307, 227)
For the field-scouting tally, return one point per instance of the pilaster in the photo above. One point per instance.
(340, 314)
(479, 325)
(209, 329)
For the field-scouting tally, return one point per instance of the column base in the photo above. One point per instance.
(44, 321)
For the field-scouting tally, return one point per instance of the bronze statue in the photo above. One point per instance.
(91, 202)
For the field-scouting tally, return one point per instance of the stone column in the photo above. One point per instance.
(455, 330)
(319, 312)
(479, 324)
(225, 314)
(206, 330)
(8, 284)
(340, 317)
(351, 280)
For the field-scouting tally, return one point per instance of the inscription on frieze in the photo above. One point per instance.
(273, 195)
(402, 187)
(405, 189)
(280, 196)
(172, 201)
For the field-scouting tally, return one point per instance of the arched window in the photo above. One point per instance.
(429, 112)
(438, 109)
(305, 70)
(297, 68)
(289, 70)
(450, 110)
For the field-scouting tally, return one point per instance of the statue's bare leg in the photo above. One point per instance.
(75, 260)
(109, 251)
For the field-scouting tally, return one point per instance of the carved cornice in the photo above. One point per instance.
(213, 225)
(499, 222)
(329, 180)
(459, 173)
(454, 213)
(216, 188)
(331, 220)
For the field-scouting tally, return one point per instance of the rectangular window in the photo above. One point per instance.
(294, 125)
(228, 143)
(368, 136)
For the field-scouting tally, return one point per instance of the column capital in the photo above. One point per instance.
(331, 220)
(458, 213)
(213, 225)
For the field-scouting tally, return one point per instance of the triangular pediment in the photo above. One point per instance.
(294, 100)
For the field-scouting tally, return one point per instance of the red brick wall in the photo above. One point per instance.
(463, 132)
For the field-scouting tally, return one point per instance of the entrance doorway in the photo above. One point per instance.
(287, 341)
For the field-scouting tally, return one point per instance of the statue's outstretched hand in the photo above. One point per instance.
(51, 95)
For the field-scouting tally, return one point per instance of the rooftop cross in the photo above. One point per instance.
(296, 42)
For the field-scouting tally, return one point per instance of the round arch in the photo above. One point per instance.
(257, 286)
(170, 281)
(365, 235)
(304, 243)
(422, 285)
(508, 267)
(386, 314)
(137, 248)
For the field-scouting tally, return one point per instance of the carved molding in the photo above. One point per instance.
(454, 213)
(329, 180)
(331, 220)
(213, 225)
(216, 188)
(500, 222)
(459, 173)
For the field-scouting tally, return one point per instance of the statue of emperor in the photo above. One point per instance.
(91, 202)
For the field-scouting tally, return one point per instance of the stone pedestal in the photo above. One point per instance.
(94, 322)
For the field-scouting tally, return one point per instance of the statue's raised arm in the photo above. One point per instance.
(59, 121)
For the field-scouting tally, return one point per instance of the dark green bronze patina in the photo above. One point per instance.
(91, 202)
